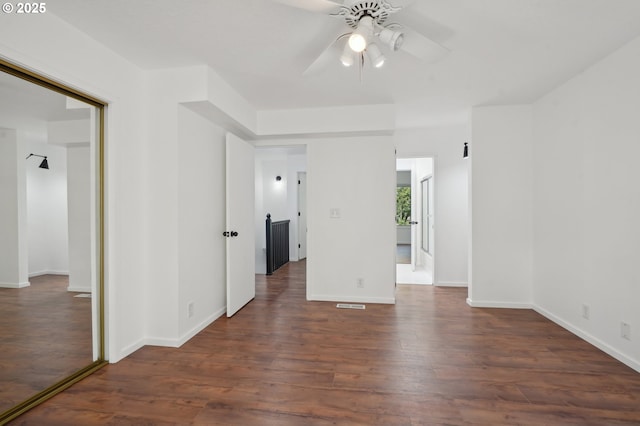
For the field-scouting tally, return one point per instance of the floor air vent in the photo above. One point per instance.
(350, 306)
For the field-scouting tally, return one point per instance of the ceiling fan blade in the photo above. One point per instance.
(422, 47)
(329, 55)
(316, 6)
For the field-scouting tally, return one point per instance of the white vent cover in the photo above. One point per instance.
(350, 306)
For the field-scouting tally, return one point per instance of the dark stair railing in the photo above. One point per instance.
(277, 244)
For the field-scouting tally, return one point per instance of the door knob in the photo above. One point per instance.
(413, 223)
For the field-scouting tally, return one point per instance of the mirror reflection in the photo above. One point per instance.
(48, 244)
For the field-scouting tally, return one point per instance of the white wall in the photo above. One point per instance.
(201, 221)
(444, 145)
(13, 216)
(586, 203)
(403, 234)
(47, 211)
(87, 65)
(186, 193)
(79, 215)
(275, 192)
(501, 204)
(357, 177)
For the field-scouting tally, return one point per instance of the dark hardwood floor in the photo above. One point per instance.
(45, 336)
(428, 360)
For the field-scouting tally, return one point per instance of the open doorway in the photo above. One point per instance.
(415, 225)
(280, 191)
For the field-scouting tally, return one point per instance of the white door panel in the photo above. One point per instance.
(240, 199)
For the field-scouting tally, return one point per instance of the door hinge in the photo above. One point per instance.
(298, 245)
(298, 181)
(298, 213)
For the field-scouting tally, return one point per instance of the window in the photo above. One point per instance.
(403, 205)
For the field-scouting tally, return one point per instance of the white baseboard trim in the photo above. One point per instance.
(492, 304)
(47, 272)
(162, 341)
(606, 348)
(79, 289)
(172, 343)
(15, 285)
(352, 299)
(451, 284)
(199, 327)
(125, 352)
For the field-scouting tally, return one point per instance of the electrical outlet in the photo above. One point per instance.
(625, 330)
(360, 283)
(190, 309)
(586, 311)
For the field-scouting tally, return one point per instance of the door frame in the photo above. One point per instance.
(302, 234)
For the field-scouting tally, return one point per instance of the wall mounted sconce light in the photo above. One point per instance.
(44, 164)
(278, 178)
(465, 151)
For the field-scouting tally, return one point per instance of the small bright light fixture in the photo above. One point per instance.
(358, 39)
(347, 56)
(375, 55)
(391, 38)
(357, 42)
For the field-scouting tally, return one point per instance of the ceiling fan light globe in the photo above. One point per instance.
(346, 59)
(391, 38)
(375, 55)
(357, 42)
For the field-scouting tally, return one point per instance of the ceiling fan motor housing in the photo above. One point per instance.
(378, 10)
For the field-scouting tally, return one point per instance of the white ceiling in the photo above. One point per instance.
(29, 107)
(502, 51)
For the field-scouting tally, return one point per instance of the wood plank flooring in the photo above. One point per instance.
(45, 336)
(428, 360)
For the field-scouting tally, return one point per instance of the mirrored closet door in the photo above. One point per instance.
(51, 273)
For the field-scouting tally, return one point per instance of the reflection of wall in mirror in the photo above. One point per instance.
(47, 212)
(13, 226)
(45, 219)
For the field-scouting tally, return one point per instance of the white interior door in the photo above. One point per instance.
(414, 219)
(302, 215)
(240, 233)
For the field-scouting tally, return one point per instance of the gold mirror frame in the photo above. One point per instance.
(63, 384)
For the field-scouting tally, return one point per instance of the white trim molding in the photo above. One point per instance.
(451, 284)
(495, 304)
(354, 299)
(633, 363)
(15, 285)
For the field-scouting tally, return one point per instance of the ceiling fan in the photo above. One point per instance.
(371, 30)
